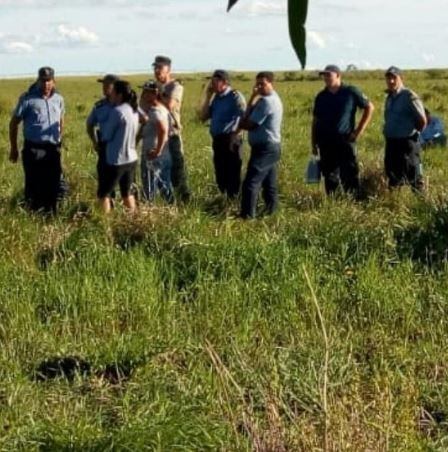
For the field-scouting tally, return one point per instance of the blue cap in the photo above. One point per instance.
(394, 70)
(331, 68)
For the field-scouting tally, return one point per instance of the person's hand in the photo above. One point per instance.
(235, 141)
(209, 89)
(353, 137)
(315, 150)
(13, 155)
(152, 154)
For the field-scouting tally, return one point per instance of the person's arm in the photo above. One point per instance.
(162, 138)
(366, 117)
(111, 126)
(61, 127)
(13, 134)
(419, 112)
(175, 98)
(205, 107)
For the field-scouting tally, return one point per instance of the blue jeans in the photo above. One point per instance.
(156, 177)
(261, 173)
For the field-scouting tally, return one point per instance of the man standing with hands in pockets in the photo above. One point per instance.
(263, 121)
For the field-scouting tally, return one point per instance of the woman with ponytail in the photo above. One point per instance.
(120, 135)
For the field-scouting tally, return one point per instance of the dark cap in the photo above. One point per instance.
(150, 85)
(221, 74)
(45, 73)
(162, 61)
(394, 70)
(109, 78)
(331, 68)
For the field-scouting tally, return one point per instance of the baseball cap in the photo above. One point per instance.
(150, 85)
(394, 70)
(162, 60)
(45, 73)
(109, 78)
(330, 68)
(221, 74)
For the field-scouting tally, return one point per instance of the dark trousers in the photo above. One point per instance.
(402, 162)
(339, 164)
(261, 173)
(178, 168)
(227, 160)
(43, 175)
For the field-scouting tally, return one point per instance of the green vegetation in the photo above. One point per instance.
(322, 327)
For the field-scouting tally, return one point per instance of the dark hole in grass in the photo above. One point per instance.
(428, 244)
(68, 367)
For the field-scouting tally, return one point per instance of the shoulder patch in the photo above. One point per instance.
(99, 103)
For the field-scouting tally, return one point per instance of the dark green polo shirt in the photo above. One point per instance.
(335, 113)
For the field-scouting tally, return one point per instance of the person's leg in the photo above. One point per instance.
(394, 162)
(234, 164)
(105, 204)
(106, 186)
(29, 170)
(413, 166)
(270, 190)
(53, 177)
(349, 168)
(126, 175)
(164, 179)
(257, 169)
(178, 170)
(220, 145)
(329, 166)
(145, 174)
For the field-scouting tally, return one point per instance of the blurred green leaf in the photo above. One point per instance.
(231, 3)
(297, 14)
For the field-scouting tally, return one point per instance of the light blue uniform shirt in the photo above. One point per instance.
(120, 133)
(41, 117)
(99, 115)
(268, 114)
(225, 111)
(402, 113)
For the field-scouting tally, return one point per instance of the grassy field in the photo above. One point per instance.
(321, 328)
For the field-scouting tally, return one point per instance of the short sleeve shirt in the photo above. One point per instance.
(268, 115)
(120, 134)
(403, 111)
(149, 132)
(174, 91)
(226, 110)
(41, 117)
(335, 113)
(99, 115)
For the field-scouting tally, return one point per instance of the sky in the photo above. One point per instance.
(123, 36)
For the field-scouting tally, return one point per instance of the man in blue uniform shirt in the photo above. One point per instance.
(41, 109)
(225, 107)
(263, 120)
(334, 132)
(95, 124)
(404, 119)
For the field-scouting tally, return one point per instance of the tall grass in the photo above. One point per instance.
(323, 327)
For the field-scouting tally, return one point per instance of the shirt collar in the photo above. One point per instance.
(225, 92)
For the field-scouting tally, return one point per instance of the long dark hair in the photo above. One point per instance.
(128, 95)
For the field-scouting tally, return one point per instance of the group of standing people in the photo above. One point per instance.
(121, 119)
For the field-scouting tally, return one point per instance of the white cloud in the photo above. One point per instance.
(75, 35)
(17, 47)
(316, 39)
(13, 44)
